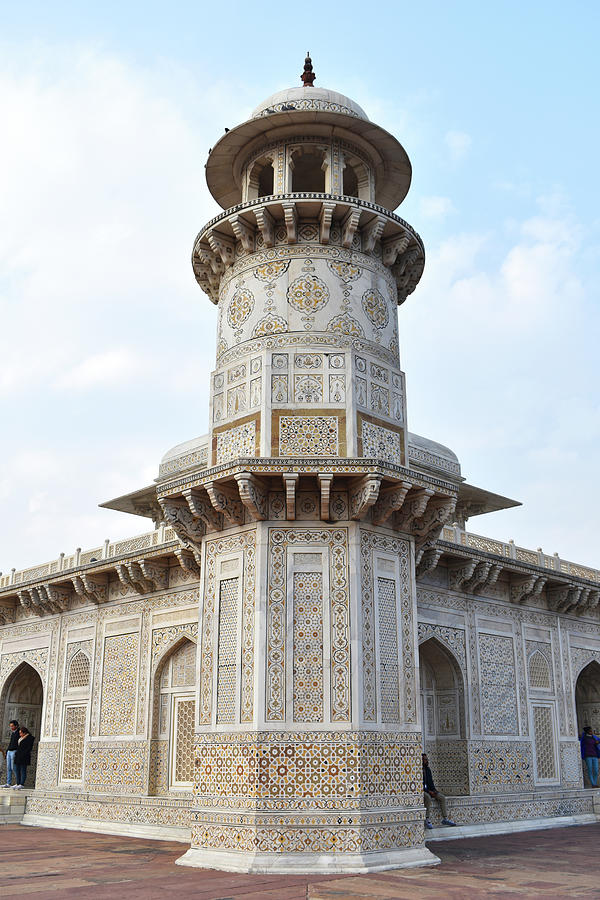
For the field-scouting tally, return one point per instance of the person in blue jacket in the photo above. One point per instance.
(590, 753)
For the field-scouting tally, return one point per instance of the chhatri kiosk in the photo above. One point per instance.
(258, 675)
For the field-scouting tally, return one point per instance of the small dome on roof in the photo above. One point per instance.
(423, 443)
(184, 448)
(309, 98)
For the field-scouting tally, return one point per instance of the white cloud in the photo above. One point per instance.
(499, 344)
(458, 144)
(111, 368)
(436, 207)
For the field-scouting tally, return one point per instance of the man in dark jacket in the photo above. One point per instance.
(23, 756)
(11, 750)
(590, 752)
(430, 792)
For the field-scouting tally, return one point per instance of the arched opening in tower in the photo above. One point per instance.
(308, 173)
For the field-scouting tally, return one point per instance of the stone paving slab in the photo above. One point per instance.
(40, 863)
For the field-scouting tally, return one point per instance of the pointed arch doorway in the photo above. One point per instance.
(23, 697)
(443, 717)
(587, 701)
(172, 756)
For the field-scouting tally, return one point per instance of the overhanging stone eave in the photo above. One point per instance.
(480, 501)
(136, 503)
(340, 467)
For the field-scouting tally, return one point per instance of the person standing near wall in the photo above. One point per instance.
(23, 756)
(589, 753)
(430, 792)
(10, 751)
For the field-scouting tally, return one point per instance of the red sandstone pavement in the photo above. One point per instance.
(41, 862)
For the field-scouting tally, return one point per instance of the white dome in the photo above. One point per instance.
(309, 98)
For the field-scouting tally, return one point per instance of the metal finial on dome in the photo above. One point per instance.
(308, 76)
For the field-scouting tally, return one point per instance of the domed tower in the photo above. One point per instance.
(313, 509)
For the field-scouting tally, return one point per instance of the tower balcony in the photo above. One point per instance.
(352, 224)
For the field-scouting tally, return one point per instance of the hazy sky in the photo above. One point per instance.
(106, 341)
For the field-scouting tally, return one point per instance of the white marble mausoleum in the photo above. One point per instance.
(257, 676)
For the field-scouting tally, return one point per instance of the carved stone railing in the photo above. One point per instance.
(151, 540)
(511, 551)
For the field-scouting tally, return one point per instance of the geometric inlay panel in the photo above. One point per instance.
(498, 684)
(388, 650)
(238, 441)
(545, 755)
(119, 684)
(284, 649)
(308, 436)
(308, 646)
(183, 769)
(380, 443)
(227, 646)
(73, 743)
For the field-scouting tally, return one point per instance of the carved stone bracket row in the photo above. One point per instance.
(415, 510)
(473, 575)
(143, 575)
(218, 246)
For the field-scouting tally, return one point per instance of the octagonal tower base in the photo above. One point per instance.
(309, 863)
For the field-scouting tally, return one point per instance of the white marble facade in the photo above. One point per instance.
(259, 674)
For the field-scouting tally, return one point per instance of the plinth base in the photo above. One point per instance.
(308, 863)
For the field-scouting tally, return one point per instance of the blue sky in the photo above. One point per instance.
(107, 343)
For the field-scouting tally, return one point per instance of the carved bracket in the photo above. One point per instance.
(460, 575)
(371, 233)
(429, 525)
(390, 500)
(564, 598)
(243, 232)
(364, 495)
(189, 561)
(266, 224)
(188, 529)
(253, 494)
(156, 572)
(325, 217)
(290, 214)
(91, 588)
(201, 507)
(349, 226)
(413, 508)
(290, 481)
(493, 573)
(325, 482)
(58, 597)
(428, 562)
(393, 247)
(523, 589)
(223, 247)
(226, 500)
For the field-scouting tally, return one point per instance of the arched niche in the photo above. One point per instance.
(539, 672)
(261, 178)
(355, 179)
(309, 170)
(587, 700)
(173, 717)
(78, 673)
(443, 716)
(22, 699)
